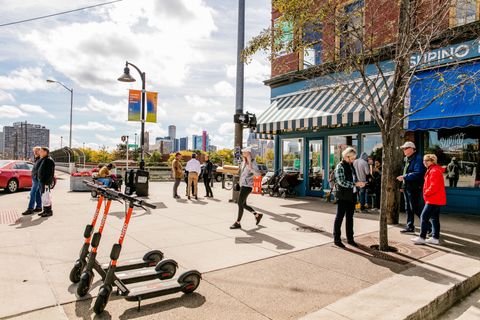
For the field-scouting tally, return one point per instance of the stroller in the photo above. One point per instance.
(287, 183)
(270, 183)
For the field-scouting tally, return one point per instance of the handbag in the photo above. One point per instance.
(47, 198)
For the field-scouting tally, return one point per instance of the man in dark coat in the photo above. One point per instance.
(207, 175)
(46, 173)
(412, 184)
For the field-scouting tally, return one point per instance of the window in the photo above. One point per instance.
(458, 152)
(351, 29)
(315, 165)
(21, 166)
(464, 11)
(336, 145)
(371, 142)
(312, 38)
(286, 38)
(292, 155)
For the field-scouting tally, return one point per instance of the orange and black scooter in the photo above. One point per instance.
(133, 270)
(187, 282)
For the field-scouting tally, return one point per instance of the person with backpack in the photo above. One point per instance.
(46, 173)
(453, 173)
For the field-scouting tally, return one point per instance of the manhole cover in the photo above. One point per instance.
(8, 216)
(308, 229)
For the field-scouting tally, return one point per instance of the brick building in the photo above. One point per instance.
(312, 120)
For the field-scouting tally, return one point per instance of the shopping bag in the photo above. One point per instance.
(47, 198)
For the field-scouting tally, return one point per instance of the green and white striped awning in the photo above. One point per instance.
(326, 106)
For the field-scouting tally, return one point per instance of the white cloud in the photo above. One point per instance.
(81, 109)
(11, 112)
(27, 79)
(203, 118)
(106, 139)
(224, 89)
(158, 36)
(30, 108)
(200, 102)
(226, 128)
(6, 97)
(255, 72)
(90, 126)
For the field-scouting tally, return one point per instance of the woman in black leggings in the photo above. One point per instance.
(249, 170)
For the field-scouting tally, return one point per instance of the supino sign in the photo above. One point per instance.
(457, 52)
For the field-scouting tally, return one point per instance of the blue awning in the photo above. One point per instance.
(457, 108)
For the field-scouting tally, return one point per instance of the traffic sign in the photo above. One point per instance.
(133, 145)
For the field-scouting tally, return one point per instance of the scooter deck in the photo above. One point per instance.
(152, 290)
(131, 264)
(137, 275)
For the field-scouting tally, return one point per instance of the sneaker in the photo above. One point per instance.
(353, 243)
(196, 198)
(28, 212)
(408, 230)
(189, 198)
(339, 244)
(37, 210)
(235, 226)
(46, 214)
(258, 218)
(433, 240)
(418, 240)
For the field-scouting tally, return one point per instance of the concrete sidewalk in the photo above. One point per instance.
(285, 268)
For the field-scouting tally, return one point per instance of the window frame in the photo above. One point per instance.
(338, 27)
(316, 46)
(453, 14)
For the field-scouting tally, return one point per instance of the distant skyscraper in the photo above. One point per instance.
(146, 141)
(197, 142)
(2, 143)
(172, 131)
(183, 144)
(176, 145)
(20, 139)
(212, 148)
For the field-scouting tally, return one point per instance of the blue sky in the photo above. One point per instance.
(186, 47)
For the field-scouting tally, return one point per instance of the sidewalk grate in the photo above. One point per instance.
(8, 216)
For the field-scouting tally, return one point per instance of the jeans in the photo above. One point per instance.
(363, 197)
(175, 186)
(35, 194)
(344, 209)
(430, 212)
(208, 189)
(412, 205)
(242, 202)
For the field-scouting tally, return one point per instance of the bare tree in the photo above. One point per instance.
(382, 45)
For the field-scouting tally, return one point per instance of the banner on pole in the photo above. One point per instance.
(134, 105)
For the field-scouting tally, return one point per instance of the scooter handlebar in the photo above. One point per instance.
(146, 204)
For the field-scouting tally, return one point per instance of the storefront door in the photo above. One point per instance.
(316, 170)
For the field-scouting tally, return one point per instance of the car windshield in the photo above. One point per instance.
(4, 163)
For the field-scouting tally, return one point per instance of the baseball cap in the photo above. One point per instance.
(408, 144)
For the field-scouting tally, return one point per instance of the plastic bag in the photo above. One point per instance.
(46, 198)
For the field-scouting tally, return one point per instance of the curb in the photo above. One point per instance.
(446, 300)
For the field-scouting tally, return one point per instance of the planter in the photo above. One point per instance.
(76, 183)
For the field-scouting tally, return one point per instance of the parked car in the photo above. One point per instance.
(17, 174)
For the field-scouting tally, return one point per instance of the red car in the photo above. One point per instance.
(17, 174)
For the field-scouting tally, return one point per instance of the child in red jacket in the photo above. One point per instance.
(435, 197)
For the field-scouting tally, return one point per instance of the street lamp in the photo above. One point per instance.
(126, 77)
(61, 142)
(71, 107)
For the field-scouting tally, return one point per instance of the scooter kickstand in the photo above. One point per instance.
(139, 300)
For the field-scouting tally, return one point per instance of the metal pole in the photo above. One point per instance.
(127, 153)
(240, 72)
(142, 133)
(71, 116)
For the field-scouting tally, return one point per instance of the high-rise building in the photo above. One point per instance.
(176, 145)
(146, 141)
(197, 142)
(212, 148)
(172, 131)
(2, 144)
(183, 144)
(21, 137)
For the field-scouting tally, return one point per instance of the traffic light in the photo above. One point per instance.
(248, 120)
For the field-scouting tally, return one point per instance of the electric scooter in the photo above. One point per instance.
(164, 269)
(187, 282)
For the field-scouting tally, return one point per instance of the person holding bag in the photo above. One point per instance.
(249, 170)
(46, 173)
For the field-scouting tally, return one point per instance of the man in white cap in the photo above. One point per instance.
(412, 184)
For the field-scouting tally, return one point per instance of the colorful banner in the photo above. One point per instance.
(152, 106)
(135, 106)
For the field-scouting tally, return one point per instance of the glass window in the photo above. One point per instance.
(292, 155)
(466, 11)
(351, 29)
(458, 152)
(371, 142)
(312, 37)
(336, 144)
(315, 166)
(286, 29)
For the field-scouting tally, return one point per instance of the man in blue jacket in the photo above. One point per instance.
(412, 184)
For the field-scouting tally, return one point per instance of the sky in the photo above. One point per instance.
(187, 48)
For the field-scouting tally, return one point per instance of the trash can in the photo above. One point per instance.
(136, 181)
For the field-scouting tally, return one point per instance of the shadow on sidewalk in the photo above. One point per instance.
(28, 221)
(257, 237)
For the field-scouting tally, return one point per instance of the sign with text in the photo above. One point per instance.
(135, 106)
(453, 53)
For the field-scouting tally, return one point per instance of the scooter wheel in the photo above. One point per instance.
(76, 272)
(93, 193)
(102, 299)
(166, 269)
(190, 283)
(85, 282)
(153, 257)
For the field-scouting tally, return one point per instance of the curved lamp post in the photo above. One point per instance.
(126, 77)
(71, 108)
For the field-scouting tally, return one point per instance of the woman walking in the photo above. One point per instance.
(435, 197)
(207, 177)
(249, 170)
